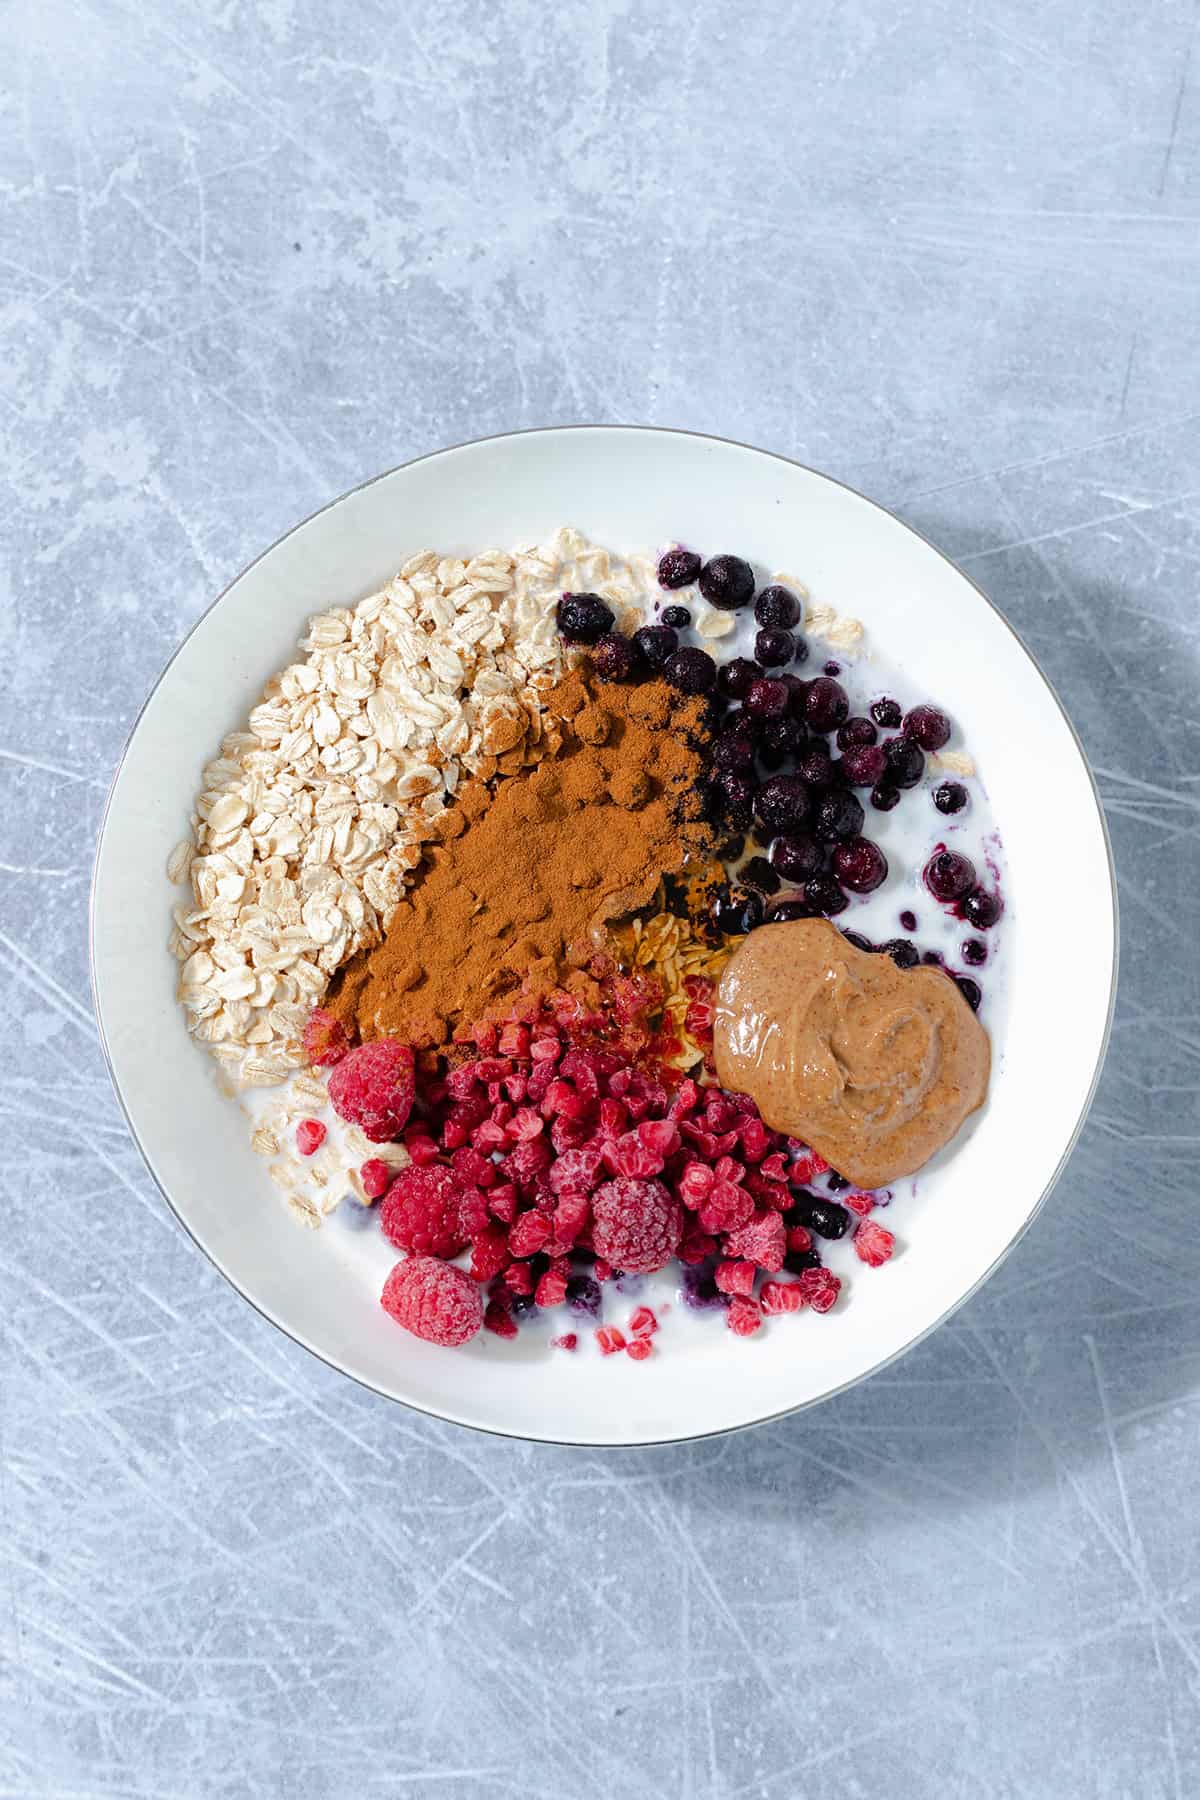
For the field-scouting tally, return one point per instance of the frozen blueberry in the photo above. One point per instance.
(735, 910)
(583, 618)
(783, 912)
(678, 567)
(767, 698)
(614, 658)
(727, 582)
(824, 895)
(734, 677)
(691, 671)
(825, 1217)
(860, 865)
(864, 764)
(735, 798)
(583, 1295)
(970, 990)
(778, 739)
(949, 876)
(836, 815)
(906, 764)
(927, 726)
(908, 920)
(856, 732)
(773, 647)
(758, 874)
(950, 796)
(980, 909)
(974, 952)
(655, 643)
(815, 765)
(782, 802)
(777, 606)
(677, 617)
(887, 713)
(904, 954)
(797, 856)
(884, 796)
(826, 704)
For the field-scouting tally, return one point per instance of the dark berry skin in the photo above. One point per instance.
(927, 726)
(614, 658)
(970, 990)
(884, 796)
(654, 643)
(932, 957)
(796, 687)
(825, 1217)
(908, 920)
(950, 796)
(859, 941)
(902, 953)
(906, 764)
(583, 618)
(860, 865)
(980, 909)
(887, 713)
(855, 732)
(583, 1295)
(815, 765)
(824, 895)
(727, 582)
(826, 705)
(797, 856)
(782, 802)
(678, 567)
(777, 606)
(733, 750)
(796, 1261)
(730, 848)
(759, 875)
(865, 764)
(778, 739)
(766, 699)
(785, 912)
(837, 1184)
(974, 952)
(677, 617)
(735, 911)
(836, 815)
(734, 677)
(949, 876)
(773, 648)
(691, 671)
(736, 799)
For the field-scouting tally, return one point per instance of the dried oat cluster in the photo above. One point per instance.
(313, 818)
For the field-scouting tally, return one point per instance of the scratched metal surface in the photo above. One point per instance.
(251, 253)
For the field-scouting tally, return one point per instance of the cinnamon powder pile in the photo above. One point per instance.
(529, 872)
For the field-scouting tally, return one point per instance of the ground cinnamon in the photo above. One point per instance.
(529, 871)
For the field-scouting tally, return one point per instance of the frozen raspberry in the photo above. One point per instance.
(610, 1340)
(569, 1218)
(799, 1237)
(499, 1319)
(781, 1296)
(432, 1210)
(636, 1225)
(376, 1177)
(762, 1240)
(726, 1206)
(568, 1341)
(744, 1316)
(518, 1278)
(640, 1349)
(325, 1040)
(861, 1204)
(576, 1171)
(873, 1243)
(736, 1277)
(820, 1288)
(489, 1252)
(373, 1087)
(529, 1234)
(310, 1135)
(551, 1289)
(433, 1300)
(642, 1322)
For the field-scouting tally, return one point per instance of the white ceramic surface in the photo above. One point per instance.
(628, 488)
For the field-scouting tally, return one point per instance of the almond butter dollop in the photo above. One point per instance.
(873, 1066)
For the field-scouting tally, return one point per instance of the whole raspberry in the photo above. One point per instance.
(325, 1039)
(636, 1225)
(433, 1300)
(432, 1210)
(873, 1243)
(373, 1087)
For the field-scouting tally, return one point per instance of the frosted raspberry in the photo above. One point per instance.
(518, 1278)
(762, 1239)
(862, 1204)
(551, 1289)
(568, 1341)
(432, 1210)
(744, 1316)
(636, 1225)
(576, 1171)
(781, 1296)
(433, 1300)
(325, 1040)
(807, 1166)
(376, 1176)
(873, 1243)
(503, 1201)
(610, 1340)
(489, 1252)
(799, 1237)
(570, 1216)
(373, 1087)
(310, 1135)
(630, 1157)
(736, 1277)
(820, 1288)
(640, 1349)
(727, 1206)
(642, 1322)
(498, 1319)
(529, 1234)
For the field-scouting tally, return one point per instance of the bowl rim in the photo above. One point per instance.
(687, 1437)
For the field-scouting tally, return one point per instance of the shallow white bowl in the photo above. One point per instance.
(631, 489)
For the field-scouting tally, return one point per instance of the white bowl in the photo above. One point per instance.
(629, 488)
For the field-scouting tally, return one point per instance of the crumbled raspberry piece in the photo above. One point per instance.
(373, 1087)
(761, 1239)
(603, 1271)
(640, 1349)
(781, 1296)
(422, 1149)
(310, 1135)
(551, 1289)
(820, 1288)
(529, 1234)
(726, 1206)
(628, 1156)
(775, 1195)
(514, 1041)
(376, 1176)
(498, 1319)
(696, 1246)
(874, 1243)
(755, 1139)
(862, 1204)
(432, 1211)
(774, 1167)
(659, 1135)
(799, 1237)
(518, 1278)
(576, 1170)
(489, 1252)
(744, 1316)
(570, 1216)
(325, 1040)
(610, 1339)
(479, 1170)
(527, 1160)
(807, 1166)
(433, 1300)
(736, 1277)
(636, 1225)
(642, 1322)
(568, 1341)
